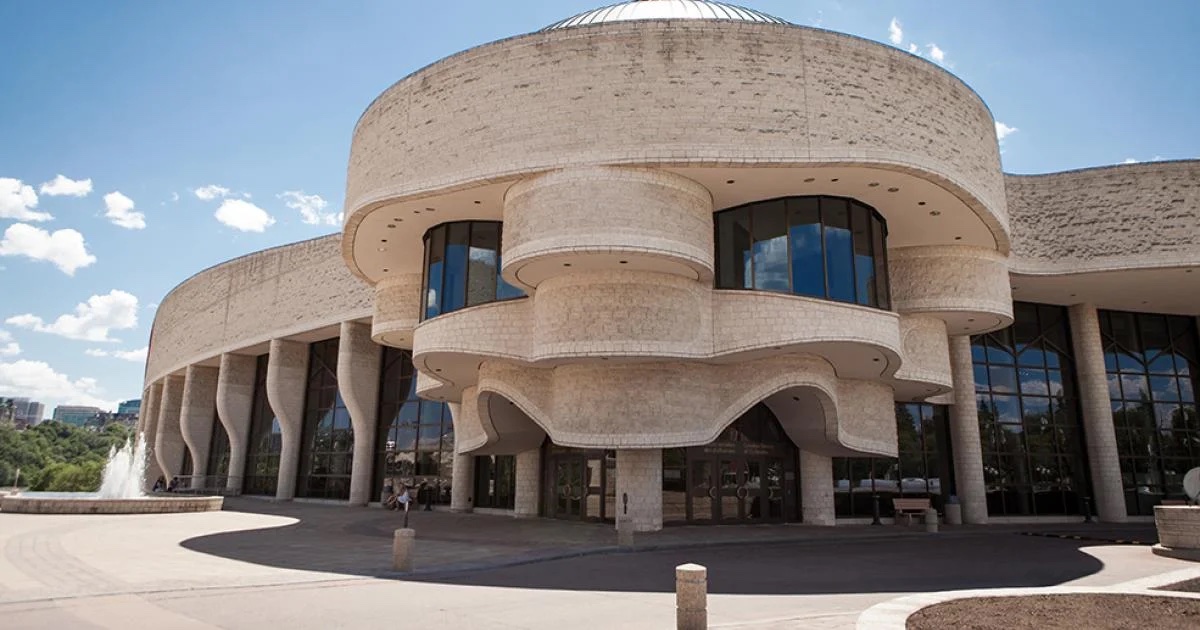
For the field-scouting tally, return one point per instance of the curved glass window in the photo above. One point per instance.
(266, 439)
(327, 445)
(462, 267)
(415, 438)
(826, 247)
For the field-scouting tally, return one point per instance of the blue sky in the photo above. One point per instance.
(251, 105)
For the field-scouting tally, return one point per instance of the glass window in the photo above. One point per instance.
(827, 247)
(1150, 384)
(266, 441)
(414, 436)
(326, 439)
(1028, 427)
(462, 267)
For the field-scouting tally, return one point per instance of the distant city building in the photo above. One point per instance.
(76, 415)
(29, 411)
(129, 407)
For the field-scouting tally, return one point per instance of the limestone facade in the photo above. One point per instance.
(604, 151)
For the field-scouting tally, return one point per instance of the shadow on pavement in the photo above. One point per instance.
(545, 554)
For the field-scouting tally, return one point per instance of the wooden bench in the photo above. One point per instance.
(908, 508)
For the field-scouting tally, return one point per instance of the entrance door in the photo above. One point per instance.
(569, 488)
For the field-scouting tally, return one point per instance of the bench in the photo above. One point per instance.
(908, 508)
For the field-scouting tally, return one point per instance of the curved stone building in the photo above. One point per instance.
(680, 261)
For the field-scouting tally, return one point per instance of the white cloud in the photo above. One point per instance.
(244, 216)
(61, 185)
(1003, 131)
(1130, 161)
(8, 347)
(64, 248)
(174, 196)
(136, 356)
(119, 210)
(91, 321)
(310, 207)
(914, 49)
(17, 201)
(937, 54)
(211, 191)
(895, 34)
(37, 380)
(152, 306)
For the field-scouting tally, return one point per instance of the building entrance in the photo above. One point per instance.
(747, 475)
(580, 485)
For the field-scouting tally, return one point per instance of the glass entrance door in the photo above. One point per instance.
(579, 484)
(569, 488)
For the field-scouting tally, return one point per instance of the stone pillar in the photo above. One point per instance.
(1103, 462)
(639, 490)
(287, 383)
(168, 442)
(816, 489)
(235, 404)
(528, 472)
(151, 401)
(462, 492)
(358, 365)
(964, 434)
(196, 417)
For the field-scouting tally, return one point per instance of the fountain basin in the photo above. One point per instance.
(1178, 531)
(90, 503)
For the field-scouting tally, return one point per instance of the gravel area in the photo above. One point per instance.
(1187, 586)
(1061, 612)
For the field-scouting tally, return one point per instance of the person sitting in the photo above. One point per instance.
(173, 485)
(160, 484)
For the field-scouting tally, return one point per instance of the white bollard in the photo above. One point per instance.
(691, 597)
(403, 544)
(931, 521)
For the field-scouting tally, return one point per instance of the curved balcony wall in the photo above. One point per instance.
(607, 218)
(820, 246)
(966, 287)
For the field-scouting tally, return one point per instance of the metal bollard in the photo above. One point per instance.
(931, 521)
(403, 544)
(691, 597)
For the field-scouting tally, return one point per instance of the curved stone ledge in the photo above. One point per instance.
(967, 287)
(1178, 529)
(149, 505)
(250, 300)
(397, 310)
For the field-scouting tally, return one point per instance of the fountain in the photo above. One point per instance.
(120, 491)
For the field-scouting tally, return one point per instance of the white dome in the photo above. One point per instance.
(666, 10)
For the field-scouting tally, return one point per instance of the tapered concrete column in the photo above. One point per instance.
(1103, 462)
(235, 404)
(287, 382)
(964, 434)
(528, 472)
(196, 417)
(462, 490)
(816, 489)
(151, 401)
(168, 442)
(358, 381)
(639, 490)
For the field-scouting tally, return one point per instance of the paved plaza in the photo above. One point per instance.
(317, 566)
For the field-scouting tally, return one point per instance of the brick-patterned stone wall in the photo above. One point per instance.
(816, 489)
(196, 415)
(358, 364)
(287, 382)
(528, 473)
(397, 310)
(235, 403)
(168, 441)
(250, 300)
(682, 92)
(634, 212)
(1099, 432)
(1178, 527)
(952, 279)
(926, 353)
(639, 477)
(1115, 217)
